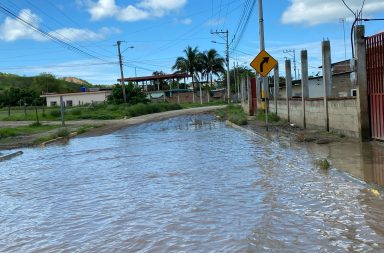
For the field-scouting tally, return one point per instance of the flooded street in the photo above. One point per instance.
(187, 184)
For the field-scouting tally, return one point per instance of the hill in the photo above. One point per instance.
(14, 88)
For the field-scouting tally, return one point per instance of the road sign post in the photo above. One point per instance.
(263, 64)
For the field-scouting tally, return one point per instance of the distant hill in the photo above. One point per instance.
(41, 83)
(76, 80)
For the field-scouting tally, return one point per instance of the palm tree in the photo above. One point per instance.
(213, 64)
(189, 65)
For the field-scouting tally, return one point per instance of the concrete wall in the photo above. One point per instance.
(77, 98)
(343, 117)
(342, 114)
(314, 113)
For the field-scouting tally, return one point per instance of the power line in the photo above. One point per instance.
(50, 36)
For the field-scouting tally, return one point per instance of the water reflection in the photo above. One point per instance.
(362, 160)
(188, 184)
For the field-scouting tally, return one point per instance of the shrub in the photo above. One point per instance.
(7, 132)
(55, 113)
(76, 112)
(62, 132)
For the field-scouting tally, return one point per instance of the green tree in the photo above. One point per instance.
(134, 94)
(212, 64)
(189, 64)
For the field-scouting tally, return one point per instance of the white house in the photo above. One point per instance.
(79, 98)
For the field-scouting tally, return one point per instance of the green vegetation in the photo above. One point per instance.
(323, 164)
(24, 130)
(97, 111)
(233, 113)
(272, 117)
(18, 90)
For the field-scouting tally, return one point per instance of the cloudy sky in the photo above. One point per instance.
(77, 37)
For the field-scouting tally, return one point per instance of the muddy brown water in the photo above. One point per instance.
(187, 184)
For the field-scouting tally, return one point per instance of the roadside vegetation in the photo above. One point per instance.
(96, 111)
(24, 130)
(233, 113)
(272, 117)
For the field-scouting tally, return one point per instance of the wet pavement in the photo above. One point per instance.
(187, 184)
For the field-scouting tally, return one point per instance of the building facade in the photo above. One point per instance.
(76, 99)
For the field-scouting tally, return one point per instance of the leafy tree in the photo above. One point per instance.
(134, 94)
(212, 64)
(189, 64)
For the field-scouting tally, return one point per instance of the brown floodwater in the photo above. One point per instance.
(187, 184)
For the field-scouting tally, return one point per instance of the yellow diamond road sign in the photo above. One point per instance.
(263, 63)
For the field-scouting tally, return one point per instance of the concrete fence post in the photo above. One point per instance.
(362, 89)
(304, 82)
(249, 85)
(327, 78)
(258, 90)
(276, 85)
(288, 84)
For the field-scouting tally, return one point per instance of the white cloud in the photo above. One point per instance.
(144, 9)
(215, 22)
(314, 12)
(161, 7)
(13, 29)
(185, 21)
(132, 13)
(75, 34)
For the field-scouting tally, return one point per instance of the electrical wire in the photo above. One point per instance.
(48, 35)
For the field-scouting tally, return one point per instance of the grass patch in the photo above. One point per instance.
(233, 113)
(272, 117)
(24, 130)
(96, 111)
(62, 132)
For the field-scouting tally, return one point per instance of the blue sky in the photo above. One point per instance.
(159, 30)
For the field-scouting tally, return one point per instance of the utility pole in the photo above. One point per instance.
(289, 51)
(342, 20)
(227, 61)
(262, 47)
(121, 70)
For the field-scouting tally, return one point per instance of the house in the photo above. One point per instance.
(342, 83)
(78, 98)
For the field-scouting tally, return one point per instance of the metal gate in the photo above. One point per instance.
(375, 75)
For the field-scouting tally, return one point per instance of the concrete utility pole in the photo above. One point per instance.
(327, 78)
(276, 85)
(262, 47)
(121, 71)
(288, 86)
(289, 51)
(227, 61)
(304, 82)
(361, 74)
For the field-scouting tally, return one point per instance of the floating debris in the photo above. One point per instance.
(10, 156)
(323, 163)
(375, 192)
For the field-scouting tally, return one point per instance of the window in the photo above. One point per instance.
(53, 103)
(353, 93)
(69, 103)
